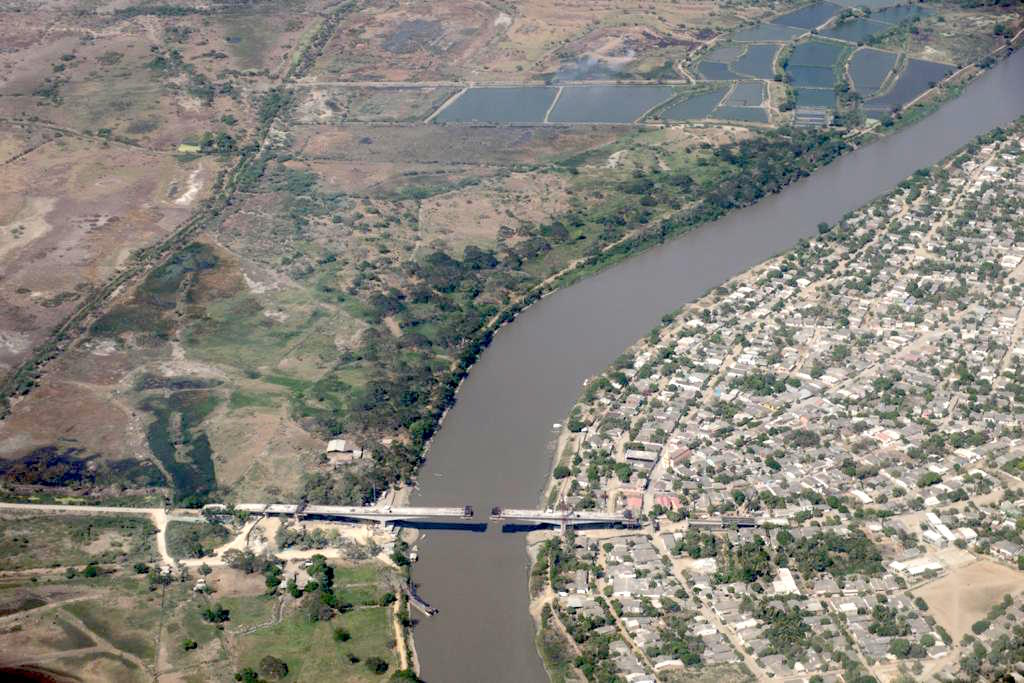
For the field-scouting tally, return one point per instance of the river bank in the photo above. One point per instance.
(710, 380)
(533, 370)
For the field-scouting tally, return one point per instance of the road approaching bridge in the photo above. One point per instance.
(563, 518)
(382, 514)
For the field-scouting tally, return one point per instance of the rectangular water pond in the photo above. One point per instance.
(766, 32)
(715, 71)
(918, 76)
(815, 97)
(607, 103)
(696, 107)
(868, 68)
(809, 17)
(726, 53)
(811, 76)
(857, 30)
(757, 61)
(746, 95)
(526, 104)
(753, 114)
(816, 53)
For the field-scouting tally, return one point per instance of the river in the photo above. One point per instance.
(495, 445)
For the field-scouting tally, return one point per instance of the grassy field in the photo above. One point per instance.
(311, 652)
(189, 539)
(122, 619)
(28, 541)
(128, 625)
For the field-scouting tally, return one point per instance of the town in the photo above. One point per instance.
(826, 453)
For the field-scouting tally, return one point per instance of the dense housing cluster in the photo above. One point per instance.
(827, 449)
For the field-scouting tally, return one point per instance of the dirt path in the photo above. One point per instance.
(403, 656)
(18, 616)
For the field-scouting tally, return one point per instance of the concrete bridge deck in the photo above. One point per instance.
(563, 518)
(370, 513)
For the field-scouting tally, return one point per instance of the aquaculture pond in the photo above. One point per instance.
(715, 71)
(810, 76)
(607, 103)
(856, 30)
(816, 53)
(868, 68)
(815, 97)
(766, 32)
(746, 95)
(757, 61)
(809, 17)
(811, 64)
(726, 54)
(526, 104)
(696, 107)
(918, 76)
(755, 114)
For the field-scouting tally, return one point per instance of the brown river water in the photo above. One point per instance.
(495, 446)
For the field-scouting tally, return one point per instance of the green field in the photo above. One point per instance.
(313, 655)
(191, 539)
(29, 541)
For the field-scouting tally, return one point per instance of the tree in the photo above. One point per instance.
(341, 635)
(376, 665)
(189, 644)
(204, 569)
(899, 647)
(561, 472)
(273, 668)
(247, 675)
(216, 614)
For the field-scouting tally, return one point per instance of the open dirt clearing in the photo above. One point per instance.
(965, 595)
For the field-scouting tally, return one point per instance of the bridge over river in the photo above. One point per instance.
(564, 518)
(384, 514)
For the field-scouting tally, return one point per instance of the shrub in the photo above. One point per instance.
(216, 614)
(273, 668)
(376, 665)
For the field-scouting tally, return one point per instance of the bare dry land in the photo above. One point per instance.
(967, 593)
